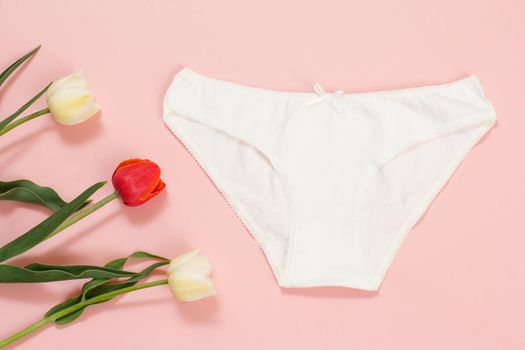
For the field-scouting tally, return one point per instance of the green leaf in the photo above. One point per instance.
(72, 316)
(48, 273)
(99, 286)
(115, 264)
(28, 191)
(38, 233)
(9, 70)
(68, 318)
(106, 287)
(119, 264)
(13, 116)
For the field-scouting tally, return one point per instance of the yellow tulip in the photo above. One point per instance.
(188, 277)
(70, 101)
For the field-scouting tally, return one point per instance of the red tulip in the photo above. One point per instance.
(137, 180)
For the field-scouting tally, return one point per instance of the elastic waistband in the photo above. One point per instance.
(188, 74)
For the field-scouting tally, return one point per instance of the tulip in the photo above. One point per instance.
(137, 181)
(70, 101)
(188, 277)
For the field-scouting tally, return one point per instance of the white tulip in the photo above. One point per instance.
(188, 277)
(70, 101)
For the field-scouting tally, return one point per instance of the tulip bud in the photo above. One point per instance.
(137, 180)
(70, 101)
(188, 277)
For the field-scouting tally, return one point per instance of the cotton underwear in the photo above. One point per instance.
(328, 184)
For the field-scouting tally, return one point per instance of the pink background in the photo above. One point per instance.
(458, 281)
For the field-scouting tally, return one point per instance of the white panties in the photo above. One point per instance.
(329, 184)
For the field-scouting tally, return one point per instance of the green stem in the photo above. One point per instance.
(24, 332)
(23, 120)
(64, 312)
(82, 214)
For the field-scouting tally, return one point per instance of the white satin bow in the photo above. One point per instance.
(330, 98)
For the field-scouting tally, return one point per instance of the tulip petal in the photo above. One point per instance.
(182, 259)
(83, 113)
(69, 98)
(189, 287)
(160, 186)
(191, 262)
(73, 80)
(127, 162)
